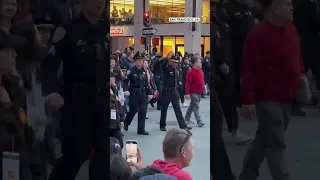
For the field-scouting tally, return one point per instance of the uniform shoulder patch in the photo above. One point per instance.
(59, 34)
(128, 72)
(52, 50)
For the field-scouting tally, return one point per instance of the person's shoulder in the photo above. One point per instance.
(258, 32)
(182, 175)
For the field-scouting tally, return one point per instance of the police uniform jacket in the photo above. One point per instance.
(81, 48)
(185, 67)
(221, 44)
(116, 105)
(206, 68)
(136, 80)
(241, 22)
(171, 76)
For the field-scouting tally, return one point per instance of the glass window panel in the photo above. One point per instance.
(202, 40)
(205, 11)
(179, 40)
(168, 45)
(161, 10)
(121, 12)
(206, 44)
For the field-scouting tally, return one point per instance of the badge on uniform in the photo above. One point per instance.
(117, 98)
(59, 34)
(128, 72)
(23, 116)
(113, 114)
(10, 166)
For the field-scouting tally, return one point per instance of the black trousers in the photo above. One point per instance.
(116, 133)
(84, 125)
(157, 81)
(220, 165)
(171, 95)
(182, 92)
(228, 100)
(137, 101)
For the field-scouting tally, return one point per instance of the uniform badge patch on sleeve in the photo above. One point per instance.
(128, 72)
(52, 50)
(59, 34)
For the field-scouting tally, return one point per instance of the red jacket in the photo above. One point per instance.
(194, 81)
(172, 170)
(272, 64)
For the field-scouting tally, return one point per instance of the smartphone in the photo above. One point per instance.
(132, 150)
(10, 166)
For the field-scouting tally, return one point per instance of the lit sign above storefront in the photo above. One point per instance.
(116, 31)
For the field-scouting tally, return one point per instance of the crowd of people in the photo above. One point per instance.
(263, 51)
(138, 80)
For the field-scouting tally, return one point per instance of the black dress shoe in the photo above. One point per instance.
(126, 127)
(147, 118)
(163, 129)
(143, 133)
(187, 128)
(152, 105)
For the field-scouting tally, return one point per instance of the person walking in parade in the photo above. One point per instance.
(136, 83)
(170, 93)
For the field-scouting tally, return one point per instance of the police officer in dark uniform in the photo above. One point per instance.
(220, 169)
(241, 22)
(117, 115)
(224, 74)
(136, 86)
(206, 68)
(81, 49)
(170, 92)
(185, 67)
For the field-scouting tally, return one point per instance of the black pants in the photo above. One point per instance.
(220, 165)
(228, 100)
(116, 133)
(84, 125)
(171, 95)
(181, 93)
(137, 101)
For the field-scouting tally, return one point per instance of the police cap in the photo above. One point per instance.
(9, 41)
(175, 59)
(138, 56)
(44, 22)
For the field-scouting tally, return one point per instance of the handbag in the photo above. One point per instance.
(304, 94)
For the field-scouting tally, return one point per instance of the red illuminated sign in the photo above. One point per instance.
(116, 31)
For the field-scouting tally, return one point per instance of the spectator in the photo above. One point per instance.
(145, 172)
(128, 62)
(119, 168)
(8, 10)
(158, 177)
(178, 150)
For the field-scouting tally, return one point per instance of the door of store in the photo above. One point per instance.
(180, 47)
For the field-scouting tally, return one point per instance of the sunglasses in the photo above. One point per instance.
(189, 134)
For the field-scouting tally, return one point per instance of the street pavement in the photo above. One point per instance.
(303, 147)
(151, 146)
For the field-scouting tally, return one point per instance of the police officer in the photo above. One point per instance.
(136, 86)
(185, 67)
(224, 74)
(241, 22)
(171, 81)
(206, 68)
(80, 47)
(117, 116)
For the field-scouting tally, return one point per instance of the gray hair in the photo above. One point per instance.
(174, 139)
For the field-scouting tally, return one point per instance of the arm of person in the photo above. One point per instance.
(252, 60)
(188, 82)
(126, 81)
(53, 61)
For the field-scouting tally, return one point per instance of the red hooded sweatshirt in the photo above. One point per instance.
(194, 82)
(172, 170)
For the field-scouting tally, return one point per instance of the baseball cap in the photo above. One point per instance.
(158, 177)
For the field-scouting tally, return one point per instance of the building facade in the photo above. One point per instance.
(126, 19)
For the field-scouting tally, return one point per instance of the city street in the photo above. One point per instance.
(151, 146)
(302, 147)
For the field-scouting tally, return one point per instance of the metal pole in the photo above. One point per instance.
(149, 37)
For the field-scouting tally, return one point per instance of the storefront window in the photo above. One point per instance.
(161, 10)
(205, 11)
(168, 45)
(206, 44)
(121, 12)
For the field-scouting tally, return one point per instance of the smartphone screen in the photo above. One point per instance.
(132, 150)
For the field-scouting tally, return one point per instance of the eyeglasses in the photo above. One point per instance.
(189, 134)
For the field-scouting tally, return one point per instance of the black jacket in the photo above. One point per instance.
(116, 105)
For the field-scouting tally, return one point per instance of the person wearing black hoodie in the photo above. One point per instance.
(117, 116)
